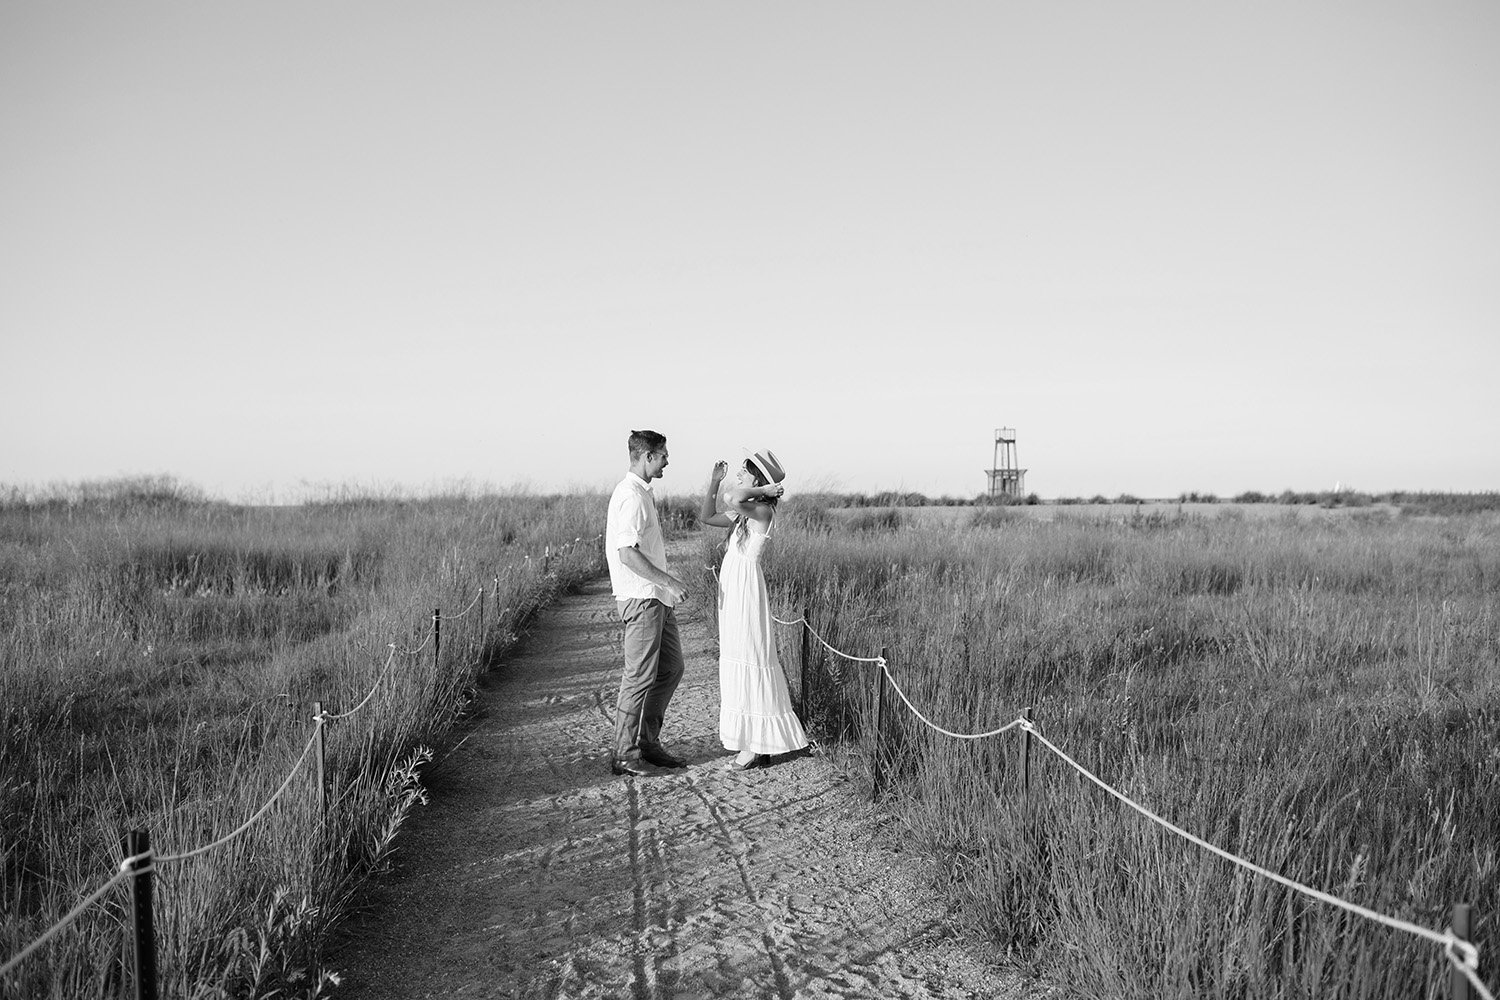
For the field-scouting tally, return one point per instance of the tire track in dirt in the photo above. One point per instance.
(534, 873)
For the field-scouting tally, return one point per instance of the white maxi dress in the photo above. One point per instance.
(755, 706)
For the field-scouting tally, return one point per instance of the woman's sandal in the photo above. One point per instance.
(756, 760)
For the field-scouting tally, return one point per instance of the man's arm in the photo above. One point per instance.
(635, 560)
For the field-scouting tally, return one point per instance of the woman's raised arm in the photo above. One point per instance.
(708, 511)
(747, 500)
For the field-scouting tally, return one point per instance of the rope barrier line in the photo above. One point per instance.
(317, 727)
(426, 639)
(1445, 938)
(934, 725)
(389, 660)
(71, 916)
(804, 622)
(1463, 955)
(126, 867)
(475, 601)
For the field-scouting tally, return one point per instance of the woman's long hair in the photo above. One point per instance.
(742, 523)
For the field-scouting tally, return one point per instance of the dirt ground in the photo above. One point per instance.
(534, 872)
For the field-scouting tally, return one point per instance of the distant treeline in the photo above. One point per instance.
(167, 491)
(144, 491)
(1409, 502)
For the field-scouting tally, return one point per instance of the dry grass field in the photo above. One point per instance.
(159, 659)
(1315, 691)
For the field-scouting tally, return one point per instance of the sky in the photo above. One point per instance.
(278, 250)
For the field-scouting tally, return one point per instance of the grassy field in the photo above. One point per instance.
(1314, 690)
(1318, 694)
(159, 657)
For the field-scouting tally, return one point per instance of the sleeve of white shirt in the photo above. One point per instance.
(632, 522)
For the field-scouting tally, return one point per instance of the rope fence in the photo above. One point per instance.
(389, 662)
(302, 759)
(1461, 953)
(472, 605)
(141, 861)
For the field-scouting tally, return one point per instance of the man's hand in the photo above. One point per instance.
(635, 561)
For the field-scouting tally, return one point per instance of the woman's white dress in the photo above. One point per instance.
(755, 707)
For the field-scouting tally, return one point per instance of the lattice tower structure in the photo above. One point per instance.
(1007, 478)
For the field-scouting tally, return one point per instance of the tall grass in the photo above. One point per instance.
(1318, 697)
(159, 655)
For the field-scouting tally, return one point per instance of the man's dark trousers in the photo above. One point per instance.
(653, 667)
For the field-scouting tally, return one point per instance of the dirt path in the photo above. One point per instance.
(535, 873)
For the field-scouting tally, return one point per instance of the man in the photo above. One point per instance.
(645, 594)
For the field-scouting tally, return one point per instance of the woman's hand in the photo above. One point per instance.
(708, 509)
(772, 490)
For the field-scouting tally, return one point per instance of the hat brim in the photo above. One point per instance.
(772, 475)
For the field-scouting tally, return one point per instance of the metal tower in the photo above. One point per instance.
(1006, 479)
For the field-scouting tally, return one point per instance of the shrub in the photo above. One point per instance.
(877, 520)
(1445, 503)
(677, 514)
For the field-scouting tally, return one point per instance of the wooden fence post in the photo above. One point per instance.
(1458, 982)
(322, 759)
(1026, 754)
(143, 928)
(879, 776)
(806, 638)
(437, 636)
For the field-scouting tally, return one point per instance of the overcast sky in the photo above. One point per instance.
(276, 248)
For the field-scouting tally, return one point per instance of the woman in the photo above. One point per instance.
(755, 707)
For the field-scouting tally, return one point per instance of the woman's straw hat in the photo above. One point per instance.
(769, 465)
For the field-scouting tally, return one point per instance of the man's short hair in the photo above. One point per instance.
(645, 442)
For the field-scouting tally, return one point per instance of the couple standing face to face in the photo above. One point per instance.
(651, 462)
(756, 716)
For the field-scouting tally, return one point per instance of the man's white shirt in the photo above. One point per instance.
(632, 521)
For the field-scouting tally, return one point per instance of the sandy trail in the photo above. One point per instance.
(535, 873)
